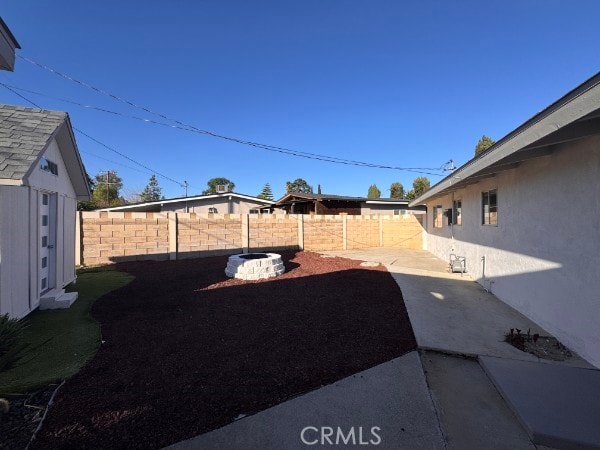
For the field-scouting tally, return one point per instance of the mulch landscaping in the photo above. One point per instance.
(187, 350)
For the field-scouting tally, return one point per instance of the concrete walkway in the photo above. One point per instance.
(556, 403)
(392, 397)
(434, 398)
(449, 312)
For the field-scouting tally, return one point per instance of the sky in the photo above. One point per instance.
(390, 83)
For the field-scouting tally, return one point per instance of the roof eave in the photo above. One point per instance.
(576, 104)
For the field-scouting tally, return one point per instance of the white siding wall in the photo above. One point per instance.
(542, 258)
(20, 239)
(14, 254)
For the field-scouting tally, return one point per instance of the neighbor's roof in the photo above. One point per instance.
(292, 196)
(187, 199)
(573, 116)
(24, 135)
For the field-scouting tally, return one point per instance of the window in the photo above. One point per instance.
(396, 212)
(44, 262)
(457, 212)
(438, 216)
(44, 241)
(44, 199)
(489, 208)
(44, 220)
(212, 210)
(48, 166)
(255, 211)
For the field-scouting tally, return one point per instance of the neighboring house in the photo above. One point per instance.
(226, 203)
(41, 179)
(526, 215)
(8, 44)
(296, 203)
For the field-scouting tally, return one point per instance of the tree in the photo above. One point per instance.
(420, 185)
(266, 193)
(298, 186)
(374, 192)
(483, 144)
(396, 190)
(106, 193)
(88, 205)
(152, 192)
(214, 182)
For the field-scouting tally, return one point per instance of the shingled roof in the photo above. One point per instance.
(24, 134)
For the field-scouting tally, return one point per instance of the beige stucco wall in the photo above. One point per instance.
(542, 258)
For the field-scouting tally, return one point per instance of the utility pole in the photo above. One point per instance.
(185, 183)
(108, 184)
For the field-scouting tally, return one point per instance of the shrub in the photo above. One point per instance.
(11, 345)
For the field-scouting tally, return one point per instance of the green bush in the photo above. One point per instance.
(11, 345)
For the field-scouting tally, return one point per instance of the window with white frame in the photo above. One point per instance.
(457, 212)
(489, 207)
(212, 210)
(254, 211)
(438, 216)
(48, 166)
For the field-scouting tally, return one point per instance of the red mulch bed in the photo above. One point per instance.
(187, 350)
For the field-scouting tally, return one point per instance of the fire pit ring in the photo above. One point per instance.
(254, 266)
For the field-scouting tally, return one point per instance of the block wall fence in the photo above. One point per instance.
(107, 237)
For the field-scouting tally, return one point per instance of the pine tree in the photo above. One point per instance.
(483, 144)
(374, 192)
(396, 190)
(152, 192)
(266, 193)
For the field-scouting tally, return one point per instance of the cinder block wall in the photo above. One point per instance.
(323, 232)
(272, 231)
(105, 237)
(208, 234)
(362, 232)
(121, 236)
(402, 232)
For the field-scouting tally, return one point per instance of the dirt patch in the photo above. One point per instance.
(546, 347)
(187, 350)
(23, 417)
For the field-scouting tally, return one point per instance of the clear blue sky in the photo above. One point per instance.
(409, 84)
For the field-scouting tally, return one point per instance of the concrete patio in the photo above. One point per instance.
(460, 390)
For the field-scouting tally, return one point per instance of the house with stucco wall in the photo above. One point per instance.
(41, 179)
(221, 203)
(526, 216)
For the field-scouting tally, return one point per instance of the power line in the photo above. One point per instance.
(188, 127)
(99, 142)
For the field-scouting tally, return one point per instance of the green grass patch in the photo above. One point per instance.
(60, 342)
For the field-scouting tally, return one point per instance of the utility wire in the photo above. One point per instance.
(284, 150)
(99, 142)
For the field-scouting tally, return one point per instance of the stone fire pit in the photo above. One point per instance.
(254, 266)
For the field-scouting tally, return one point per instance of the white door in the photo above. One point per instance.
(47, 243)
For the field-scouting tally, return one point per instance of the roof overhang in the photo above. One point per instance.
(8, 44)
(390, 202)
(144, 205)
(574, 116)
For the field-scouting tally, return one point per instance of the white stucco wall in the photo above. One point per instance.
(542, 258)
